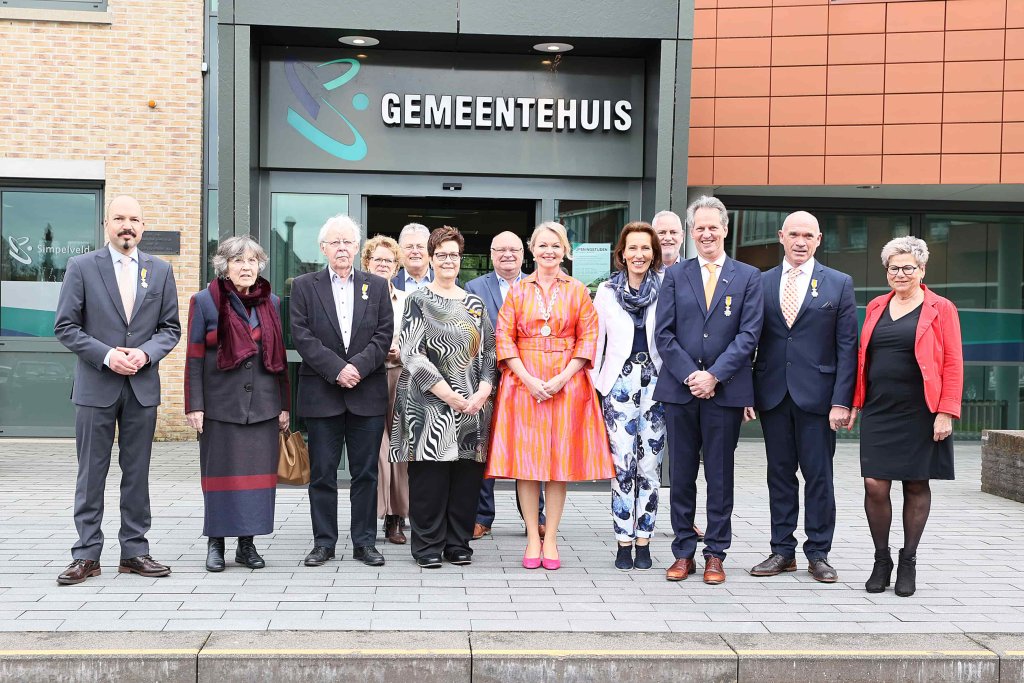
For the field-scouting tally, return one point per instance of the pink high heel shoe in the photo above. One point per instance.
(531, 562)
(551, 565)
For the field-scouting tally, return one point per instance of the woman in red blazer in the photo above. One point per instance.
(910, 375)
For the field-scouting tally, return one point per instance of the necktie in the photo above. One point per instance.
(127, 287)
(790, 302)
(709, 286)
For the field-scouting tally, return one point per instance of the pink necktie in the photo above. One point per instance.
(790, 302)
(127, 287)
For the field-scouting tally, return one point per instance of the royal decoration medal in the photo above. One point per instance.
(142, 276)
(365, 287)
(728, 306)
(814, 288)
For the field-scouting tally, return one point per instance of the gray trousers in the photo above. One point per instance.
(94, 437)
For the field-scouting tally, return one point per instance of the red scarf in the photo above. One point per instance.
(234, 335)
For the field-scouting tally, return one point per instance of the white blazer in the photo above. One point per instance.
(615, 338)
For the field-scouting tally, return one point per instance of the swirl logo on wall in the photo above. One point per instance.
(314, 104)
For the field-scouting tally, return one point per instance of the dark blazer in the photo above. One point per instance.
(399, 279)
(816, 359)
(244, 395)
(91, 320)
(486, 287)
(690, 337)
(316, 333)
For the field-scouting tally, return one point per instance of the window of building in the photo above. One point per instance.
(593, 227)
(77, 5)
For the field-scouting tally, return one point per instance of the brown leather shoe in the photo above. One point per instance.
(714, 574)
(700, 534)
(680, 569)
(541, 529)
(143, 565)
(78, 571)
(774, 565)
(821, 570)
(479, 531)
(393, 530)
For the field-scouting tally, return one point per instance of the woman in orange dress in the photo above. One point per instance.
(548, 425)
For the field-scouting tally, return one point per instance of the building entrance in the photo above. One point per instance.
(479, 220)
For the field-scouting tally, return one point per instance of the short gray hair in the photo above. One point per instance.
(236, 246)
(559, 230)
(706, 202)
(665, 214)
(411, 228)
(340, 222)
(906, 245)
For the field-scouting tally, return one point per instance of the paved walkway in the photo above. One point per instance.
(970, 578)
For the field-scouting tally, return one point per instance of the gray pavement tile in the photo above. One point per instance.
(223, 624)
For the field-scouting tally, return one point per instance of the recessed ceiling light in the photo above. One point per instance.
(552, 47)
(361, 41)
(868, 187)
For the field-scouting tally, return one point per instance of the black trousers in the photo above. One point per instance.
(442, 505)
(794, 438)
(360, 436)
(702, 427)
(485, 506)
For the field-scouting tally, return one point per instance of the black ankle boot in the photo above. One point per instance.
(906, 575)
(881, 573)
(246, 554)
(215, 555)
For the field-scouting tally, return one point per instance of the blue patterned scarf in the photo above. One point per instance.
(635, 304)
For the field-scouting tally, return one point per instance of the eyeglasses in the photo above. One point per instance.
(907, 270)
(443, 256)
(334, 244)
(506, 250)
(385, 261)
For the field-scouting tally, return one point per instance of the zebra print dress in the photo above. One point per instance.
(450, 340)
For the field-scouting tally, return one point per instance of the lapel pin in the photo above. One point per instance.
(365, 287)
(814, 288)
(728, 306)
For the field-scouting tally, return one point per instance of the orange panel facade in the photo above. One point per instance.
(811, 92)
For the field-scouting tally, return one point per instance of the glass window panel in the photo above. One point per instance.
(40, 232)
(754, 237)
(594, 227)
(34, 391)
(852, 243)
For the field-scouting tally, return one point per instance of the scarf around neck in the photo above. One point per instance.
(234, 337)
(635, 304)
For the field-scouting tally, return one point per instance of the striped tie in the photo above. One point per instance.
(790, 302)
(709, 286)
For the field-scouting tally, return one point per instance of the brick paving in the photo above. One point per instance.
(969, 566)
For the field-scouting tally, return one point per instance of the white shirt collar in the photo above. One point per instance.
(806, 269)
(116, 255)
(720, 261)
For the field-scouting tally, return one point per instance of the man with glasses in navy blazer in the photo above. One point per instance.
(803, 386)
(708, 322)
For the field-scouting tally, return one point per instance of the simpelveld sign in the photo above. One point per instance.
(451, 113)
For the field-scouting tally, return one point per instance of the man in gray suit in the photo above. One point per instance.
(118, 312)
(507, 256)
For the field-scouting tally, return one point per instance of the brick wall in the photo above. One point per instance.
(811, 92)
(80, 91)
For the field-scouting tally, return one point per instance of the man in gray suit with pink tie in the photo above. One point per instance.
(118, 312)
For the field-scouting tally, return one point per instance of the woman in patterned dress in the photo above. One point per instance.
(442, 414)
(548, 425)
(625, 373)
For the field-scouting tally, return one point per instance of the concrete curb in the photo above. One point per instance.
(486, 657)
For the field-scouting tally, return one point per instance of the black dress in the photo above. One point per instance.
(896, 426)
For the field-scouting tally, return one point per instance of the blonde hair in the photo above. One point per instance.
(381, 241)
(556, 228)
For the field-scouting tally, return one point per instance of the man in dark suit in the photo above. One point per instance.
(803, 387)
(708, 322)
(118, 312)
(507, 256)
(415, 271)
(341, 322)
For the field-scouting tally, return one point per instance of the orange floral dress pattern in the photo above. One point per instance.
(563, 438)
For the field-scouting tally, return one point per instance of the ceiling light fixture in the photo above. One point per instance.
(552, 47)
(361, 41)
(868, 187)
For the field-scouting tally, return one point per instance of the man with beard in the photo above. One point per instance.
(507, 256)
(118, 312)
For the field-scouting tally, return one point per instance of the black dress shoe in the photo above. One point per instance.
(78, 571)
(460, 557)
(821, 570)
(906, 575)
(774, 565)
(246, 554)
(143, 565)
(215, 555)
(319, 555)
(429, 561)
(368, 555)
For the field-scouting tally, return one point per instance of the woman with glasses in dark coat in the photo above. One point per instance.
(237, 397)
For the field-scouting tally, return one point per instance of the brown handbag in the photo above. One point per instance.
(293, 464)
